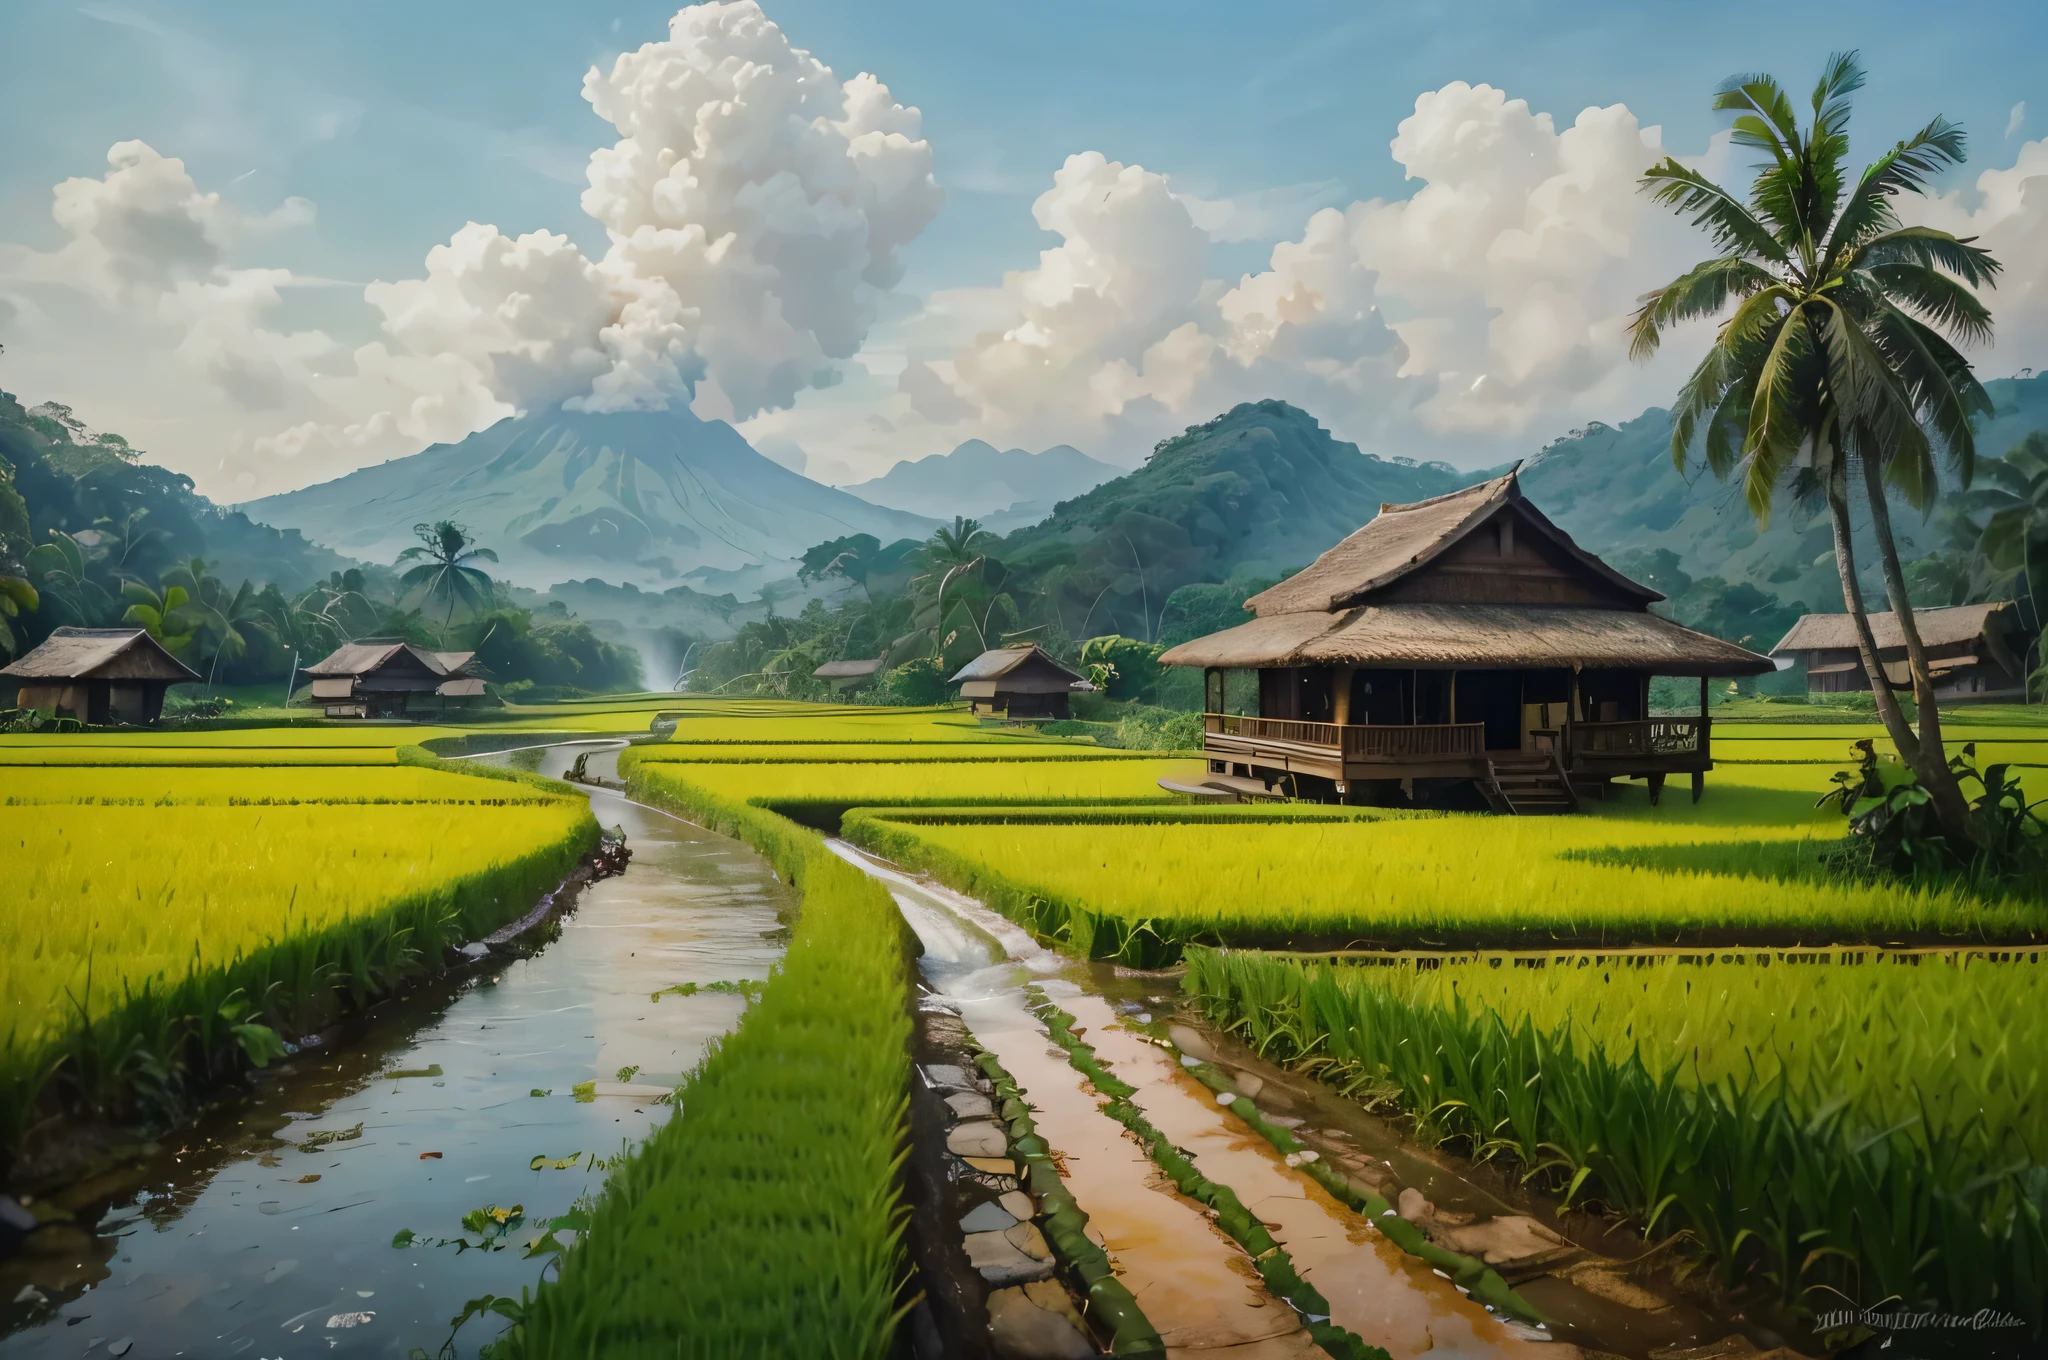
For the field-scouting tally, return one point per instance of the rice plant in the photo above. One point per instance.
(250, 786)
(1820, 1130)
(125, 930)
(1742, 865)
(859, 783)
(763, 1219)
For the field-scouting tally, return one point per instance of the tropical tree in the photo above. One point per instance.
(17, 594)
(1839, 353)
(2015, 537)
(63, 571)
(446, 570)
(163, 614)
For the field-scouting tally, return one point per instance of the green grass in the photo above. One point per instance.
(1821, 1130)
(809, 753)
(845, 784)
(763, 1219)
(1740, 865)
(256, 785)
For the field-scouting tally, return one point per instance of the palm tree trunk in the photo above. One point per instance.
(1888, 711)
(1930, 758)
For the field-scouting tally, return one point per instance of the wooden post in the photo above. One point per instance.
(1340, 698)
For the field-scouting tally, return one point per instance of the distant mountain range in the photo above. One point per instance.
(1614, 489)
(649, 498)
(1003, 488)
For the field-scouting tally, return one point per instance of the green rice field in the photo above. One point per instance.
(1827, 1123)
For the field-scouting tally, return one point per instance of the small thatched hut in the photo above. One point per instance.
(1465, 639)
(385, 679)
(1975, 651)
(847, 676)
(100, 675)
(1017, 682)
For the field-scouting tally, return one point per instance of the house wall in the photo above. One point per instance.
(1506, 561)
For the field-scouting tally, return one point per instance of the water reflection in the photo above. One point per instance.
(266, 1228)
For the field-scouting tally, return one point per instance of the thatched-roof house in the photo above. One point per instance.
(847, 676)
(1464, 638)
(385, 679)
(101, 675)
(1017, 682)
(1975, 651)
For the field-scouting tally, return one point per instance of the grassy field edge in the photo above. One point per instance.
(765, 1218)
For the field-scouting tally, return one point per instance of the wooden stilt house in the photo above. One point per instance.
(1462, 642)
(387, 679)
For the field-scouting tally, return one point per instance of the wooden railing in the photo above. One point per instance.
(1429, 741)
(1654, 737)
(1425, 741)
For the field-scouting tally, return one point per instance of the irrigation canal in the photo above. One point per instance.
(265, 1229)
(1197, 1287)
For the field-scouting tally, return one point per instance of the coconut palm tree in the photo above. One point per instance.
(1838, 353)
(2015, 537)
(445, 572)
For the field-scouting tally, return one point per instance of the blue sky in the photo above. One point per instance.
(402, 121)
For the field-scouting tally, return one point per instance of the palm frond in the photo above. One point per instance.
(1928, 247)
(1940, 380)
(1939, 300)
(1701, 291)
(1905, 169)
(1775, 430)
(1727, 220)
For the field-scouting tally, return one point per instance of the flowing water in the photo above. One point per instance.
(1195, 1285)
(265, 1229)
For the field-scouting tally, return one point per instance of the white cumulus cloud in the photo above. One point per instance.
(756, 207)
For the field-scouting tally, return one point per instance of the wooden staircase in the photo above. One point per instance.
(1527, 785)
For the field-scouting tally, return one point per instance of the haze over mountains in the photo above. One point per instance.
(662, 499)
(1003, 488)
(650, 498)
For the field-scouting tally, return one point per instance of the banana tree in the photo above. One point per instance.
(62, 570)
(16, 598)
(164, 615)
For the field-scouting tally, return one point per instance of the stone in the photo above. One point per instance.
(1412, 1206)
(1191, 1043)
(1002, 1261)
(1250, 1084)
(977, 1139)
(988, 1216)
(1508, 1240)
(1029, 1240)
(992, 1166)
(1019, 1205)
(947, 1077)
(969, 1105)
(1020, 1327)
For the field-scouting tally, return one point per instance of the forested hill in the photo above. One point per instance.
(74, 481)
(1616, 492)
(1254, 492)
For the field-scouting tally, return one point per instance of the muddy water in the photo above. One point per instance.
(1195, 1285)
(252, 1234)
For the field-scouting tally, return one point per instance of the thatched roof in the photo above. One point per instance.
(1431, 636)
(1403, 538)
(101, 654)
(998, 662)
(367, 658)
(848, 670)
(1938, 628)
